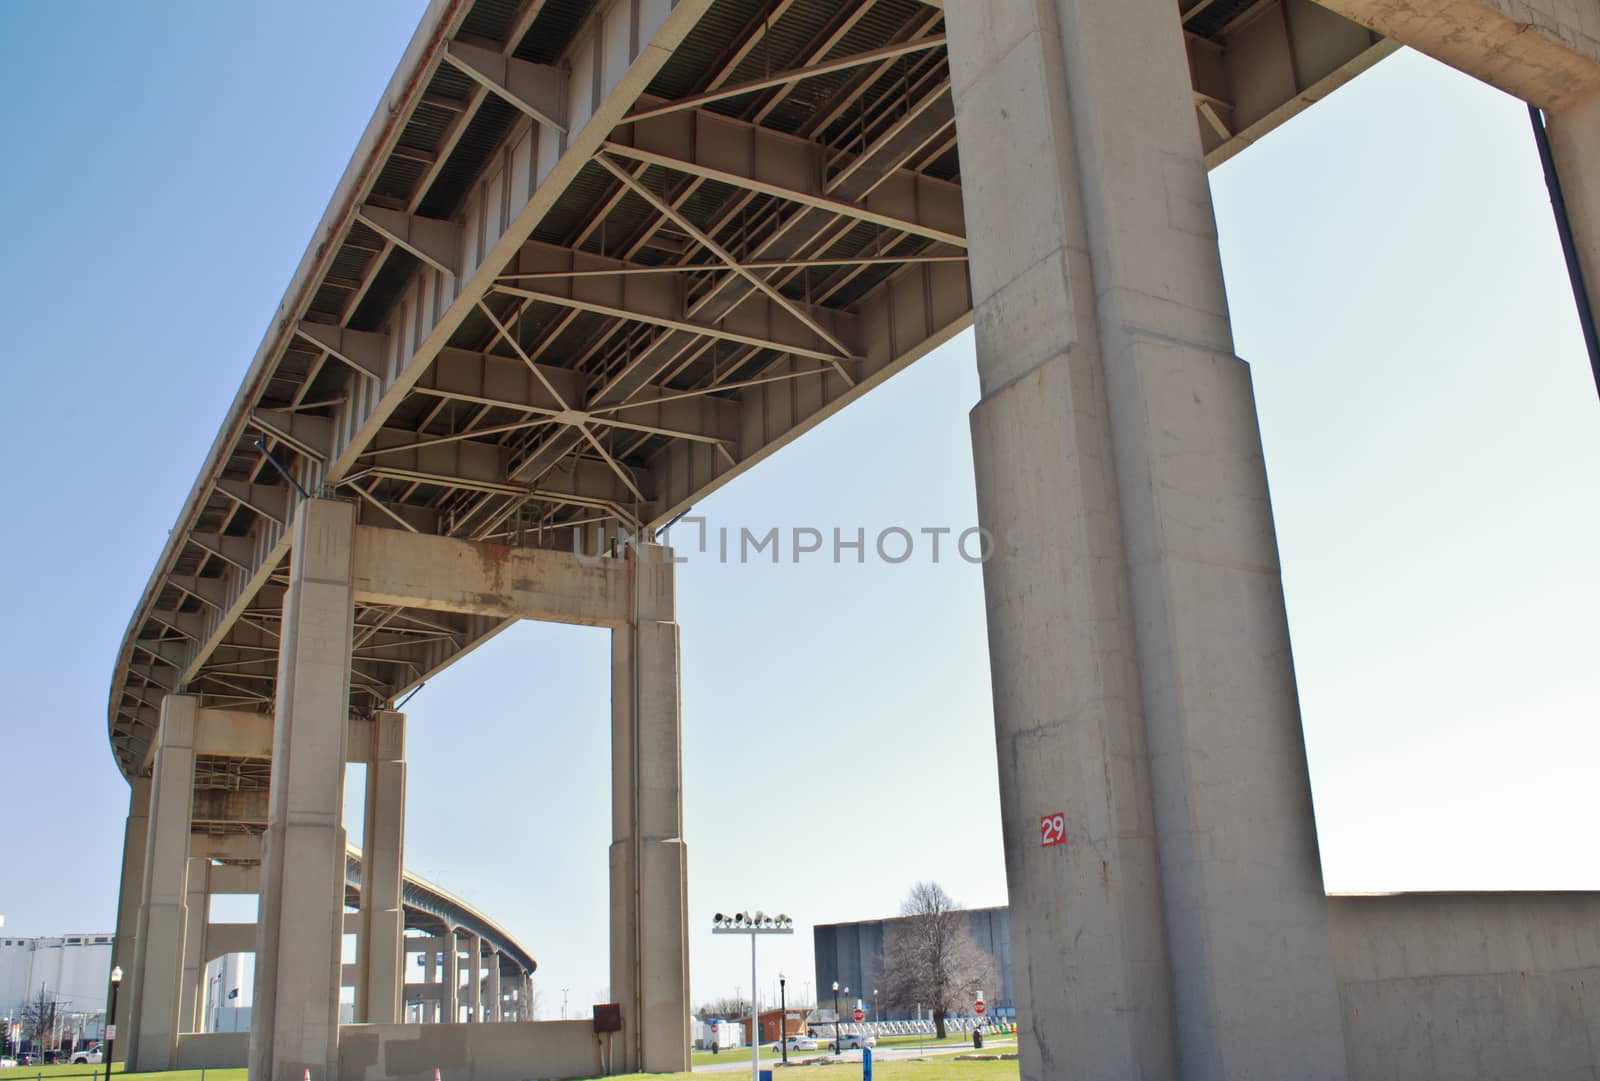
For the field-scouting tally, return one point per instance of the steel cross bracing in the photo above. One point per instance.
(590, 261)
(659, 271)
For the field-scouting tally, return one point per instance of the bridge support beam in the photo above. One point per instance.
(649, 867)
(135, 834)
(1543, 51)
(380, 960)
(1139, 648)
(158, 950)
(295, 1023)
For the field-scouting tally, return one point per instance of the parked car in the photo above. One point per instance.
(93, 1055)
(796, 1043)
(853, 1041)
(7, 1062)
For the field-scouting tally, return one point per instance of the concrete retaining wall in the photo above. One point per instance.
(471, 1052)
(1459, 987)
(213, 1050)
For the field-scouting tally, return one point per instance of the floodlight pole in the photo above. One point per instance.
(755, 1018)
(753, 924)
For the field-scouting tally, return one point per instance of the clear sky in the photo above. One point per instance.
(1430, 430)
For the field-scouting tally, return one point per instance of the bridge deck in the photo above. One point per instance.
(588, 262)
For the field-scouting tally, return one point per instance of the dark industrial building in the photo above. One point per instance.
(852, 954)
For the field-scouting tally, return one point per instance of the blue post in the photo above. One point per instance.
(866, 1063)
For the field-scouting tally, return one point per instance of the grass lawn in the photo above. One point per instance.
(953, 1039)
(84, 1073)
(943, 1069)
(952, 1042)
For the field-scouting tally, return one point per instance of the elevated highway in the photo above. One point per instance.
(589, 261)
(437, 922)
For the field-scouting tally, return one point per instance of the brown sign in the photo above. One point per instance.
(608, 1017)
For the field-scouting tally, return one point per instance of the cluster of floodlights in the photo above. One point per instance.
(751, 921)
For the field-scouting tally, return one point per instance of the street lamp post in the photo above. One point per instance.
(753, 924)
(837, 1046)
(783, 1017)
(111, 1013)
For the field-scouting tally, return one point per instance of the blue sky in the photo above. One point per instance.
(1427, 412)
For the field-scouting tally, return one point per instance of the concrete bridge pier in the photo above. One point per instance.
(474, 977)
(295, 1020)
(1140, 654)
(380, 971)
(430, 970)
(155, 983)
(1575, 144)
(135, 834)
(197, 915)
(494, 986)
(450, 1008)
(649, 869)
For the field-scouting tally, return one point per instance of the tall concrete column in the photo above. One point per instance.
(451, 1003)
(295, 1023)
(1575, 144)
(158, 959)
(649, 863)
(475, 976)
(494, 986)
(381, 964)
(197, 912)
(135, 834)
(1139, 650)
(430, 976)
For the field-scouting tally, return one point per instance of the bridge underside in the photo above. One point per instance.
(592, 260)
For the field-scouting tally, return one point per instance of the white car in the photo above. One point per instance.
(87, 1057)
(7, 1063)
(796, 1043)
(854, 1041)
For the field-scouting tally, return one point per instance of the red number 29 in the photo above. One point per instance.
(1052, 829)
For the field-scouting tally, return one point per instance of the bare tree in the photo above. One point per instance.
(40, 1018)
(733, 1008)
(930, 958)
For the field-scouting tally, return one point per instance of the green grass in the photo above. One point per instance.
(943, 1069)
(952, 1042)
(84, 1074)
(953, 1039)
